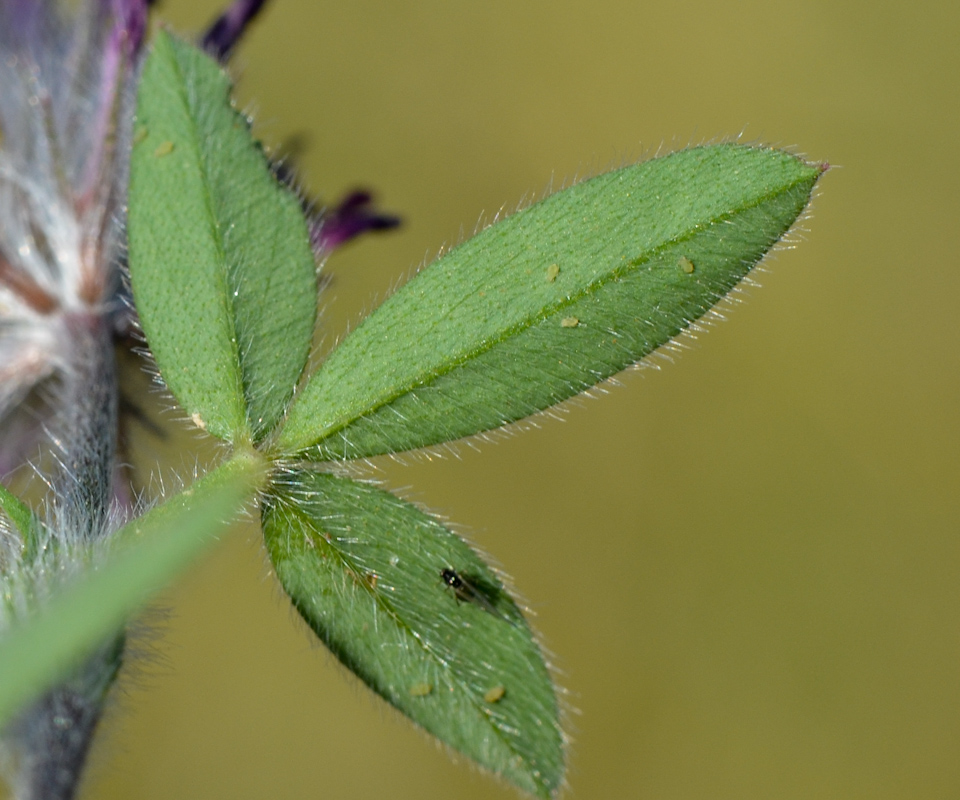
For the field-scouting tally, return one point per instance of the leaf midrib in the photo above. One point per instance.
(221, 273)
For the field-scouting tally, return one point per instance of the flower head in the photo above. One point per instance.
(67, 79)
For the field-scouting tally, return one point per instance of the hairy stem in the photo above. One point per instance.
(87, 433)
(50, 739)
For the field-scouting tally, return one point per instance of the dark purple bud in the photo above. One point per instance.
(223, 35)
(354, 215)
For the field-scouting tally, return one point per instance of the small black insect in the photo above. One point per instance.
(481, 593)
(450, 577)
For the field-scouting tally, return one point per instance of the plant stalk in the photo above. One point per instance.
(49, 740)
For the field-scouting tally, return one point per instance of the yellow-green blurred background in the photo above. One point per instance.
(748, 562)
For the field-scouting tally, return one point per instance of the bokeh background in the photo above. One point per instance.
(747, 562)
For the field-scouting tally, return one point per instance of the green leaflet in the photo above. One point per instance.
(222, 270)
(550, 301)
(151, 550)
(364, 570)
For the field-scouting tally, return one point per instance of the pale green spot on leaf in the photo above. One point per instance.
(494, 695)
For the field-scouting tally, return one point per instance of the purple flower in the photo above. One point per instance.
(353, 216)
(223, 35)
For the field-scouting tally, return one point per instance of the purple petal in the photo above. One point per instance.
(352, 217)
(131, 17)
(121, 48)
(223, 35)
